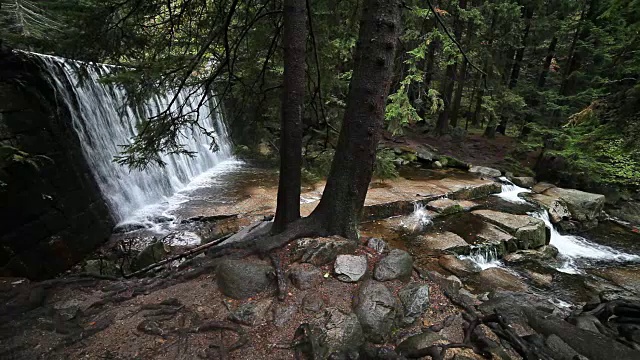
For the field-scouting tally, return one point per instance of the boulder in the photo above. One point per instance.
(561, 350)
(342, 332)
(457, 266)
(485, 171)
(470, 192)
(252, 313)
(547, 252)
(312, 303)
(524, 181)
(628, 211)
(490, 237)
(377, 245)
(241, 279)
(541, 187)
(377, 310)
(282, 314)
(427, 155)
(445, 206)
(492, 278)
(557, 209)
(419, 341)
(129, 226)
(397, 265)
(529, 232)
(150, 255)
(350, 268)
(321, 251)
(305, 276)
(415, 300)
(583, 206)
(437, 165)
(445, 241)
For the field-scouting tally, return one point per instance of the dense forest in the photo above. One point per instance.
(561, 76)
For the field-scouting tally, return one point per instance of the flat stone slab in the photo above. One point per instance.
(493, 236)
(530, 232)
(446, 206)
(445, 241)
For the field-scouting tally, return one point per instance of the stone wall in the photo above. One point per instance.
(54, 215)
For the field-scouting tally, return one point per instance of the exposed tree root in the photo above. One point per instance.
(279, 272)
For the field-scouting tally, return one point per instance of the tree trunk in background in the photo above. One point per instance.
(517, 63)
(457, 97)
(352, 168)
(428, 71)
(295, 38)
(574, 61)
(551, 53)
(448, 82)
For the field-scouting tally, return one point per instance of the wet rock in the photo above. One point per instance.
(491, 237)
(128, 227)
(350, 268)
(474, 191)
(524, 181)
(485, 171)
(282, 314)
(253, 313)
(541, 187)
(397, 265)
(492, 278)
(626, 277)
(377, 310)
(419, 341)
(305, 276)
(592, 345)
(240, 279)
(415, 300)
(150, 255)
(378, 245)
(445, 241)
(101, 267)
(539, 279)
(628, 211)
(342, 332)
(557, 209)
(584, 207)
(321, 251)
(547, 252)
(457, 266)
(586, 322)
(529, 232)
(561, 350)
(445, 206)
(312, 303)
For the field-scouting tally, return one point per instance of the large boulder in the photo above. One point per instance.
(445, 241)
(556, 208)
(241, 279)
(350, 268)
(492, 278)
(150, 255)
(321, 251)
(377, 245)
(457, 266)
(342, 332)
(397, 265)
(419, 341)
(530, 232)
(415, 300)
(524, 181)
(377, 310)
(305, 276)
(485, 171)
(584, 207)
(491, 237)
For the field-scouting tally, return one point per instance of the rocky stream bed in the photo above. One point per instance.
(450, 264)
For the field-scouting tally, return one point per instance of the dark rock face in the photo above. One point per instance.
(342, 333)
(53, 216)
(305, 276)
(397, 265)
(242, 279)
(377, 309)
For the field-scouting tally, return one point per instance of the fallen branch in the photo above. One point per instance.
(195, 251)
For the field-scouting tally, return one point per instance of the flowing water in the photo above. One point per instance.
(103, 123)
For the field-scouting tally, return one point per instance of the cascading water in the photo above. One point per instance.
(104, 123)
(419, 218)
(484, 256)
(510, 192)
(572, 247)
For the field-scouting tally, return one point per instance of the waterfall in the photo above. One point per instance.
(103, 123)
(510, 191)
(419, 218)
(484, 256)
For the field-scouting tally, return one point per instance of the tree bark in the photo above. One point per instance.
(448, 83)
(551, 53)
(295, 36)
(352, 167)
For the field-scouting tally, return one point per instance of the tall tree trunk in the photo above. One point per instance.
(295, 37)
(352, 167)
(448, 83)
(551, 53)
(428, 71)
(517, 63)
(457, 96)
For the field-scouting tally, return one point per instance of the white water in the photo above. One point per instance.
(571, 247)
(419, 218)
(103, 124)
(510, 192)
(485, 257)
